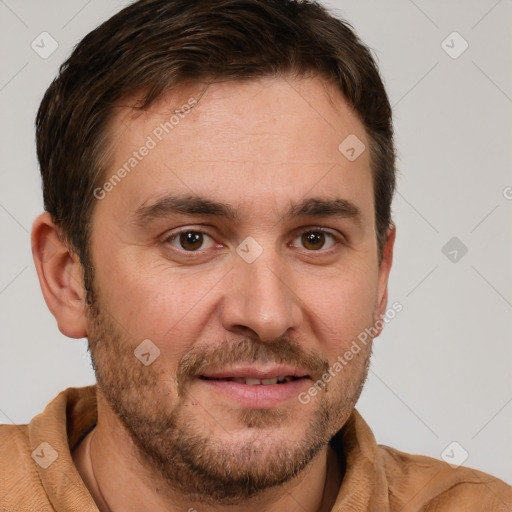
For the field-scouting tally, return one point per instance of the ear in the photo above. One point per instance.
(60, 276)
(384, 270)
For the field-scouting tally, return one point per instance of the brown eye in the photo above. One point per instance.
(313, 240)
(191, 240)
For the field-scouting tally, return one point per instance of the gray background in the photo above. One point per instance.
(441, 370)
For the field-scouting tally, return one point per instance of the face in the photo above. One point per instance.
(241, 246)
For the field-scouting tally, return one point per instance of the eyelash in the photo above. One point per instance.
(338, 239)
(176, 235)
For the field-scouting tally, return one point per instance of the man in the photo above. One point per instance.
(218, 178)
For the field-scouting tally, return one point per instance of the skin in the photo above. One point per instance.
(257, 147)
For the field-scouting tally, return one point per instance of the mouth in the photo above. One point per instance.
(249, 381)
(256, 388)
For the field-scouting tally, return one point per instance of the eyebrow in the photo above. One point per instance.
(315, 207)
(197, 205)
(188, 205)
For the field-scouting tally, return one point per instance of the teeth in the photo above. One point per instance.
(264, 382)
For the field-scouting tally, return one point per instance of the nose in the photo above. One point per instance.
(260, 300)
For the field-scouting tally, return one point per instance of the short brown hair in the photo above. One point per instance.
(154, 46)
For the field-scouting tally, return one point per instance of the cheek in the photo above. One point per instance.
(341, 307)
(155, 301)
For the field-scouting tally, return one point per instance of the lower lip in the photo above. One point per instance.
(259, 396)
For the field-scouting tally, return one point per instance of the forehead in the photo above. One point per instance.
(275, 136)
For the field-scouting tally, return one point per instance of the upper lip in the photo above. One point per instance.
(256, 372)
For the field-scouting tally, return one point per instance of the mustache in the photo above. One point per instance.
(280, 351)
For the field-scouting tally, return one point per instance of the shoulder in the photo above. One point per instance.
(21, 487)
(416, 482)
(14, 448)
(36, 466)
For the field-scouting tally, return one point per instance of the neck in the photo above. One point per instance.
(119, 480)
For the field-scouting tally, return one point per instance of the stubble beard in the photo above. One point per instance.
(174, 446)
